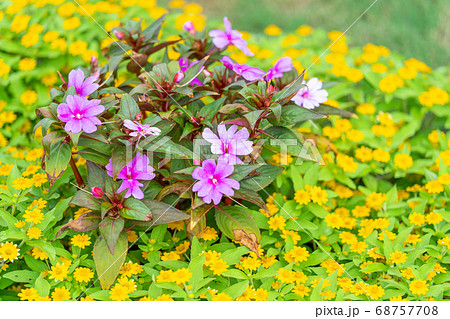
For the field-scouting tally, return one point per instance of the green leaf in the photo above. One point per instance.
(237, 289)
(13, 175)
(42, 286)
(21, 276)
(286, 94)
(128, 107)
(162, 213)
(84, 223)
(135, 209)
(238, 224)
(375, 267)
(292, 114)
(262, 177)
(330, 110)
(317, 210)
(56, 164)
(108, 265)
(235, 273)
(315, 295)
(250, 196)
(83, 198)
(196, 268)
(45, 246)
(111, 230)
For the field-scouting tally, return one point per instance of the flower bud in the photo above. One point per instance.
(197, 162)
(119, 34)
(270, 89)
(97, 192)
(96, 75)
(138, 116)
(178, 77)
(189, 27)
(94, 62)
(206, 72)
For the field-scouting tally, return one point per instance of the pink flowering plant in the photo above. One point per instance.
(180, 140)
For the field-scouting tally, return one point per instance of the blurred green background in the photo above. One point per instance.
(414, 28)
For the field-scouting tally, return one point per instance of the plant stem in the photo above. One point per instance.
(76, 172)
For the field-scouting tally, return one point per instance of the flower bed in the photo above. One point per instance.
(367, 222)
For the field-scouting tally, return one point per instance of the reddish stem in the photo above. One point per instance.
(76, 172)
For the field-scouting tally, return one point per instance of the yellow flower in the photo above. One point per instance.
(38, 254)
(301, 290)
(29, 294)
(418, 287)
(71, 23)
(29, 97)
(407, 73)
(81, 240)
(434, 218)
(363, 154)
(417, 219)
(272, 30)
(27, 64)
(434, 187)
(34, 233)
(381, 155)
(285, 276)
(9, 251)
(355, 135)
(379, 68)
(304, 30)
(181, 276)
(291, 233)
(209, 233)
(165, 276)
(119, 293)
(29, 39)
(78, 47)
(277, 222)
(127, 283)
(298, 254)
(266, 262)
(398, 257)
(346, 163)
(375, 200)
(375, 291)
(19, 223)
(221, 297)
(250, 263)
(59, 272)
(318, 195)
(132, 236)
(390, 83)
(358, 247)
(365, 108)
(407, 273)
(33, 216)
(50, 36)
(170, 256)
(129, 269)
(83, 274)
(20, 23)
(218, 267)
(403, 161)
(4, 68)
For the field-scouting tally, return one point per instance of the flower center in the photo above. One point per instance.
(78, 115)
(215, 181)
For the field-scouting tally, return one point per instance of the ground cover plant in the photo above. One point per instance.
(171, 159)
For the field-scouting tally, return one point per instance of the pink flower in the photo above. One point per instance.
(229, 144)
(283, 65)
(213, 182)
(141, 130)
(97, 192)
(189, 27)
(137, 169)
(79, 114)
(311, 95)
(222, 39)
(247, 72)
(82, 87)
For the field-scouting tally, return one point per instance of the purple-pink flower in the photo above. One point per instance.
(80, 114)
(229, 144)
(283, 65)
(213, 181)
(222, 39)
(82, 87)
(141, 130)
(311, 95)
(247, 72)
(189, 27)
(184, 65)
(137, 169)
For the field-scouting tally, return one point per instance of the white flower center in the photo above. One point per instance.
(78, 116)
